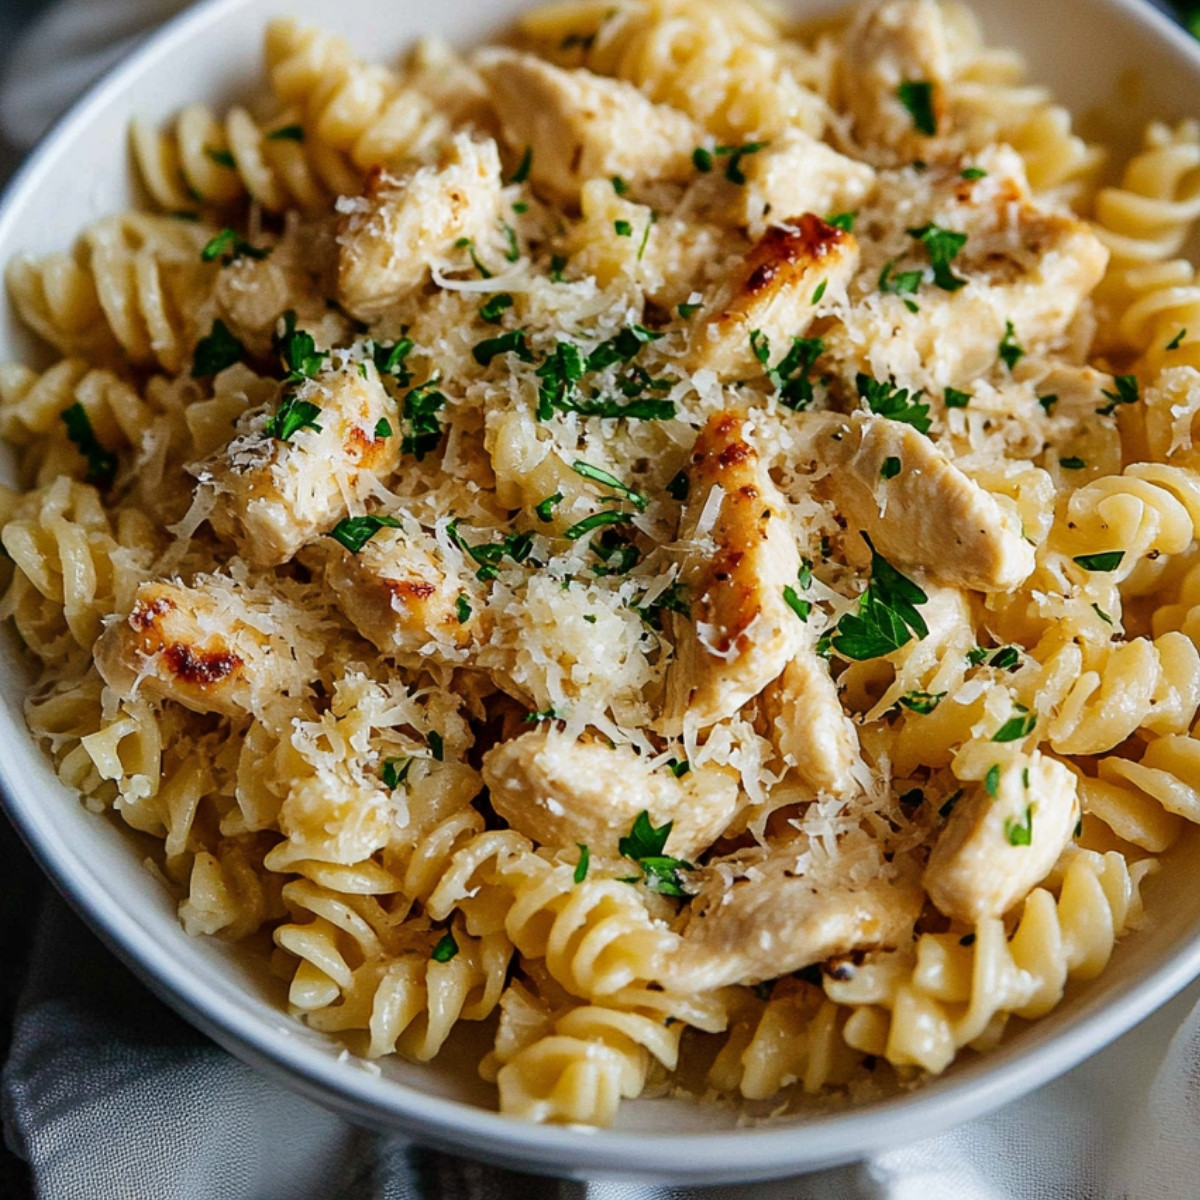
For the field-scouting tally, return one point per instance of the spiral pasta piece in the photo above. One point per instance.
(728, 66)
(918, 1008)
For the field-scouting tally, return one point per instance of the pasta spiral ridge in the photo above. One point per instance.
(917, 1007)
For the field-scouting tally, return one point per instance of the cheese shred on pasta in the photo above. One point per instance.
(670, 535)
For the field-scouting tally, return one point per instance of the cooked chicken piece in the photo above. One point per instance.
(203, 647)
(809, 726)
(1025, 271)
(797, 173)
(927, 514)
(388, 237)
(887, 46)
(580, 126)
(401, 594)
(274, 495)
(761, 919)
(741, 633)
(1002, 838)
(561, 792)
(772, 295)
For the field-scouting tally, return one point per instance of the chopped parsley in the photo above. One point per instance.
(490, 555)
(670, 599)
(462, 609)
(290, 417)
(1048, 402)
(991, 781)
(512, 342)
(678, 767)
(1126, 393)
(890, 468)
(791, 376)
(644, 845)
(585, 858)
(1017, 726)
(679, 486)
(948, 805)
(492, 310)
(1102, 614)
(1020, 833)
(733, 170)
(545, 508)
(843, 221)
(623, 228)
(298, 351)
(819, 291)
(514, 250)
(355, 532)
(702, 160)
(287, 133)
(596, 475)
(223, 158)
(922, 702)
(646, 235)
(220, 349)
(973, 173)
(953, 398)
(1009, 351)
(101, 463)
(465, 243)
(536, 718)
(421, 407)
(942, 246)
(557, 263)
(886, 617)
(621, 347)
(436, 746)
(802, 608)
(383, 429)
(395, 772)
(390, 360)
(227, 246)
(1072, 463)
(1106, 560)
(903, 283)
(563, 369)
(597, 521)
(1177, 340)
(895, 403)
(559, 374)
(620, 186)
(917, 96)
(522, 172)
(445, 950)
(687, 310)
(1007, 658)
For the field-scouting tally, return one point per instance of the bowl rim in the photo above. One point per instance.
(741, 1155)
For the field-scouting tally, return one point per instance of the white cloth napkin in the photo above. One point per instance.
(108, 1096)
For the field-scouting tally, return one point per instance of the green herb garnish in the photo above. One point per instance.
(890, 468)
(585, 858)
(942, 246)
(917, 96)
(214, 353)
(1009, 351)
(101, 463)
(886, 617)
(596, 475)
(1126, 393)
(644, 845)
(1016, 727)
(445, 950)
(512, 342)
(895, 403)
(290, 417)
(492, 310)
(355, 532)
(1107, 560)
(1020, 833)
(922, 702)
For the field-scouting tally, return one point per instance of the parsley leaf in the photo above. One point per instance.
(953, 398)
(383, 429)
(791, 375)
(522, 172)
(922, 702)
(973, 173)
(679, 486)
(421, 407)
(1005, 659)
(389, 360)
(917, 96)
(644, 845)
(1177, 340)
(622, 347)
(1016, 727)
(1108, 560)
(559, 374)
(393, 773)
(800, 607)
(733, 170)
(991, 781)
(297, 350)
(1009, 351)
(545, 508)
(596, 521)
(1073, 463)
(942, 246)
(843, 220)
(436, 746)
(227, 246)
(670, 599)
(101, 463)
(623, 228)
(290, 417)
(1126, 393)
(445, 950)
(1020, 833)
(492, 310)
(886, 618)
(890, 468)
(355, 532)
(489, 555)
(512, 342)
(888, 400)
(620, 186)
(903, 283)
(585, 858)
(220, 349)
(596, 475)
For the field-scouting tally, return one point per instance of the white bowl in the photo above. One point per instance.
(1083, 49)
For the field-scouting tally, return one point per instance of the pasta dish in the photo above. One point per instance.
(670, 534)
